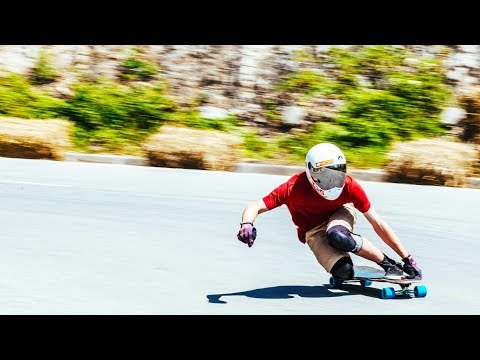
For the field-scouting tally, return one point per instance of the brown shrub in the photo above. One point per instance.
(34, 139)
(432, 162)
(180, 147)
(476, 165)
(470, 125)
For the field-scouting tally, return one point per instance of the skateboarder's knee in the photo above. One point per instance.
(343, 268)
(341, 238)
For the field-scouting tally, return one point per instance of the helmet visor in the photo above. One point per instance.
(328, 177)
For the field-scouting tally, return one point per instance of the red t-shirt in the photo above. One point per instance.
(307, 207)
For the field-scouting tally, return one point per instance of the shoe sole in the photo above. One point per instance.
(395, 277)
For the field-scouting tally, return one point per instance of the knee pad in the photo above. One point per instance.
(343, 268)
(341, 238)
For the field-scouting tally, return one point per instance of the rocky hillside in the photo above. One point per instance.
(224, 78)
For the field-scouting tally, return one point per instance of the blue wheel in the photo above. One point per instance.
(365, 283)
(420, 291)
(388, 293)
(334, 282)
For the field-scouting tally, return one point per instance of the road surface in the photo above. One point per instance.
(84, 238)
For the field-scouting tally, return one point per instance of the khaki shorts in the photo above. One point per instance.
(316, 238)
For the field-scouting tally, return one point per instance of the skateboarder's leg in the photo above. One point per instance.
(326, 255)
(343, 268)
(340, 236)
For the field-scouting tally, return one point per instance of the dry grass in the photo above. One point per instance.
(34, 139)
(432, 162)
(180, 147)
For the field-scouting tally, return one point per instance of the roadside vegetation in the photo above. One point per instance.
(388, 95)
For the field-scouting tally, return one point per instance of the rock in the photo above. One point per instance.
(293, 115)
(212, 112)
(452, 115)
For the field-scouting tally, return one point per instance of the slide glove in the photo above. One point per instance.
(247, 233)
(411, 268)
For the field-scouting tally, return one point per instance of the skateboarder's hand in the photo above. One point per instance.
(411, 268)
(247, 233)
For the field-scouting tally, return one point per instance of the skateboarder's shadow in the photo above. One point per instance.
(283, 292)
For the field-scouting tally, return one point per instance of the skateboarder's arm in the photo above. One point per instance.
(251, 212)
(385, 232)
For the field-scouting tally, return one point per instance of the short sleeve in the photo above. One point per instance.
(359, 197)
(277, 197)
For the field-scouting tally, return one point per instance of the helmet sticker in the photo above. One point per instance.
(323, 163)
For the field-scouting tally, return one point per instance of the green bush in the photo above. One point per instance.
(389, 93)
(43, 72)
(125, 141)
(299, 145)
(357, 157)
(307, 82)
(192, 118)
(135, 69)
(18, 98)
(114, 117)
(107, 116)
(400, 102)
(106, 104)
(256, 147)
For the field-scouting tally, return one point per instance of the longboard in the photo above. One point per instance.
(365, 275)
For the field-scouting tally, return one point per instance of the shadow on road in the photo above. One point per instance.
(279, 292)
(288, 292)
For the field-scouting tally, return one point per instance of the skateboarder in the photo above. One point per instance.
(322, 201)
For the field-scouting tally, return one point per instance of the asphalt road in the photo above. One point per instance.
(84, 238)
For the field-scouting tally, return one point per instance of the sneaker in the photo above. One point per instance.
(393, 270)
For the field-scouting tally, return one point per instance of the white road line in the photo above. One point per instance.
(33, 183)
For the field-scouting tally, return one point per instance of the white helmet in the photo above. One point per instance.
(326, 167)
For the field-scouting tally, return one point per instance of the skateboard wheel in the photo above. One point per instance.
(420, 291)
(388, 293)
(334, 282)
(365, 283)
